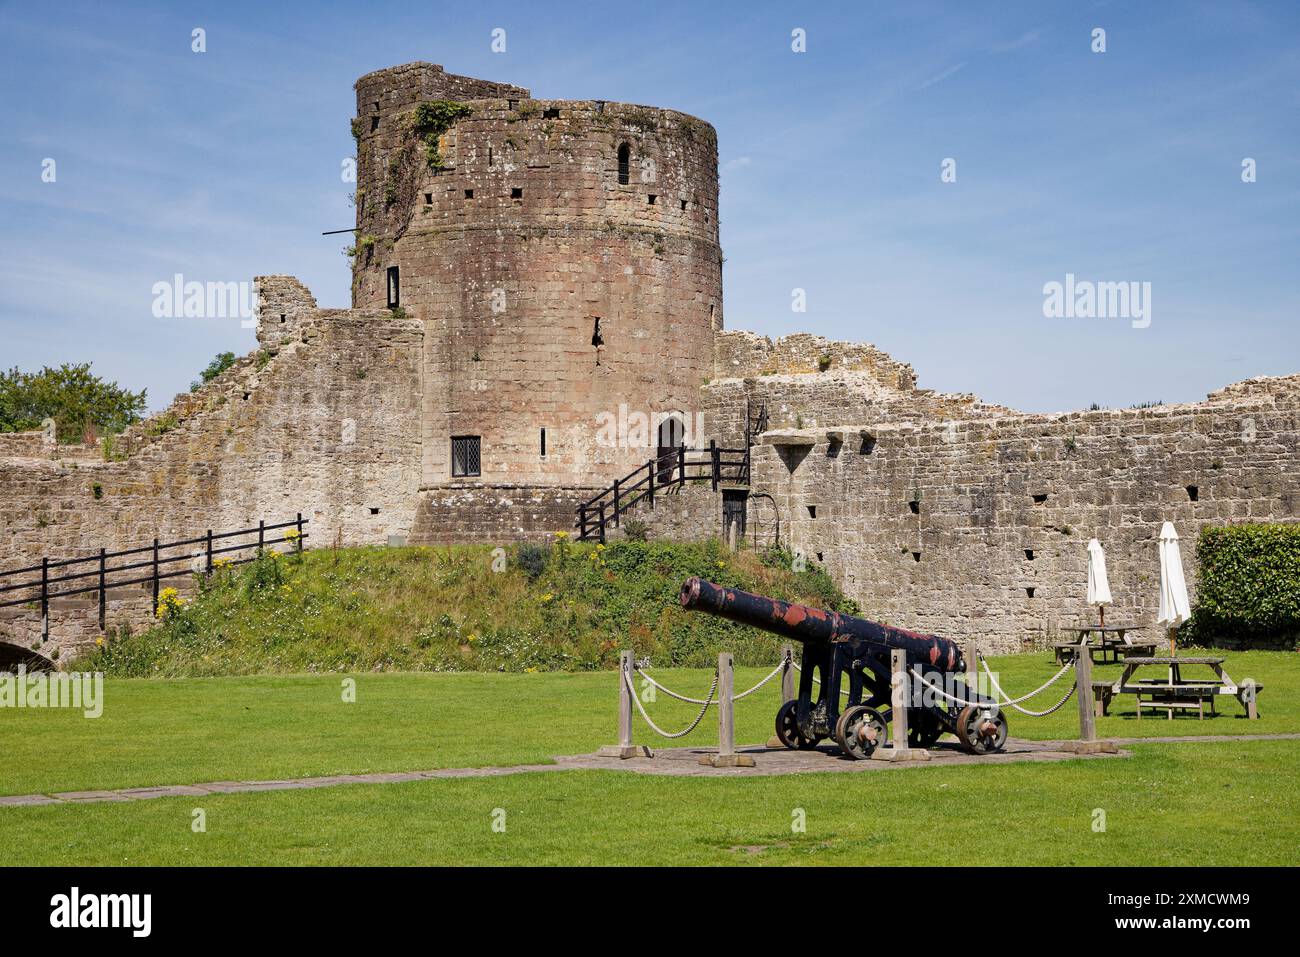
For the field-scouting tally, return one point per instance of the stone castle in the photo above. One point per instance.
(524, 270)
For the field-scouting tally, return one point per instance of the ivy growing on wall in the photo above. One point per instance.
(424, 126)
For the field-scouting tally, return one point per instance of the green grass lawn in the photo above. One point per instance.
(179, 731)
(1189, 804)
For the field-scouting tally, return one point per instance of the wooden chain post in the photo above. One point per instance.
(625, 748)
(727, 756)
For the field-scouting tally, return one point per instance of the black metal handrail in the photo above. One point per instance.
(672, 469)
(44, 588)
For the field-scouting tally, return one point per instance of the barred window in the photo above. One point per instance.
(624, 162)
(465, 456)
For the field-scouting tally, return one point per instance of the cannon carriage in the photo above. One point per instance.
(839, 648)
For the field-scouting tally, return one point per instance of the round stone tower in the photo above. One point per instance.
(563, 256)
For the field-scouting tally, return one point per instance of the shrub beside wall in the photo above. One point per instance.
(1249, 592)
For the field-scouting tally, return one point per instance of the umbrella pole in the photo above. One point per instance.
(1101, 610)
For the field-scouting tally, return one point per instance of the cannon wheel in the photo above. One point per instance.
(854, 731)
(968, 721)
(787, 728)
(923, 728)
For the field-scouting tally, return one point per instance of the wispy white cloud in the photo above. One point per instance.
(1028, 38)
(940, 77)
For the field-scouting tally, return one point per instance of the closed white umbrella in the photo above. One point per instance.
(1174, 606)
(1098, 583)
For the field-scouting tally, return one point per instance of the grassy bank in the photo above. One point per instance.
(564, 607)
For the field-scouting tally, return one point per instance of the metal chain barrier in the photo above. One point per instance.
(627, 679)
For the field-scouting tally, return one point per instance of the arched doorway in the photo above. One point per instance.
(672, 435)
(11, 656)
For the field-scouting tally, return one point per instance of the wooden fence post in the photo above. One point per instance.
(1083, 689)
(208, 563)
(650, 469)
(714, 462)
(727, 756)
(616, 497)
(898, 697)
(972, 654)
(102, 586)
(899, 685)
(261, 535)
(299, 540)
(602, 523)
(1087, 743)
(681, 463)
(625, 748)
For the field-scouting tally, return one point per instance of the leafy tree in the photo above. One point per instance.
(75, 398)
(222, 362)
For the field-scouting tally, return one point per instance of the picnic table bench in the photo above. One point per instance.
(1172, 692)
(1065, 651)
(1111, 640)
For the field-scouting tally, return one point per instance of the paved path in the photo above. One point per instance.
(669, 761)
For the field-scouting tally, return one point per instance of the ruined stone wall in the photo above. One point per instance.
(809, 400)
(495, 513)
(977, 528)
(323, 420)
(740, 354)
(683, 514)
(516, 246)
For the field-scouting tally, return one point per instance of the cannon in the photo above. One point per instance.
(836, 646)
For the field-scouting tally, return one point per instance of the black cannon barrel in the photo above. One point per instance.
(806, 624)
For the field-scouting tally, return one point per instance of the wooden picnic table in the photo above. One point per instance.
(1173, 692)
(1111, 641)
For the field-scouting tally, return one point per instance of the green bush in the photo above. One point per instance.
(532, 559)
(1249, 592)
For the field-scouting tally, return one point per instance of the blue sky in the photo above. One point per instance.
(1115, 166)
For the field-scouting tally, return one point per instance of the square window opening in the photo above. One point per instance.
(466, 456)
